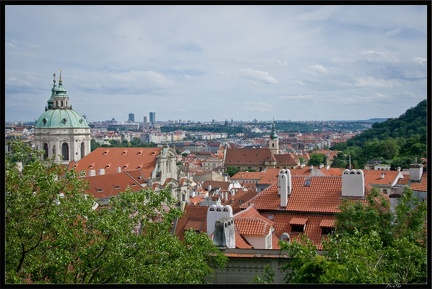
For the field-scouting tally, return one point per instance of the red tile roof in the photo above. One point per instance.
(420, 186)
(104, 186)
(250, 222)
(247, 176)
(322, 195)
(298, 221)
(110, 159)
(374, 177)
(247, 156)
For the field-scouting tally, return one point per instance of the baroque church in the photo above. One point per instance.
(61, 132)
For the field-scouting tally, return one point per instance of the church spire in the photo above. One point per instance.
(273, 134)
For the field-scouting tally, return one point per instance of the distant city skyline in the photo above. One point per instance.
(201, 62)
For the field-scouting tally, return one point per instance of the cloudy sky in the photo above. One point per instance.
(193, 62)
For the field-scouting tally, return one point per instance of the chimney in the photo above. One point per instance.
(216, 212)
(101, 172)
(353, 183)
(119, 169)
(224, 234)
(382, 175)
(398, 169)
(92, 173)
(284, 186)
(416, 172)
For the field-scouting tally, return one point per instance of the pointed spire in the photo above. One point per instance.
(60, 79)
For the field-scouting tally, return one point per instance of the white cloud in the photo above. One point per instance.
(419, 60)
(370, 81)
(377, 57)
(258, 106)
(317, 68)
(257, 76)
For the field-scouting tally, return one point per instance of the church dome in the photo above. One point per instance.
(61, 118)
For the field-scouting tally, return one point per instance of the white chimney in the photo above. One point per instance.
(119, 169)
(382, 175)
(216, 212)
(101, 172)
(284, 186)
(92, 173)
(416, 172)
(353, 183)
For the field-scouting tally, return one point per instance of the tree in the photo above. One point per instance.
(54, 234)
(231, 170)
(370, 245)
(317, 159)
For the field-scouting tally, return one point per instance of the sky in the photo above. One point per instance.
(205, 62)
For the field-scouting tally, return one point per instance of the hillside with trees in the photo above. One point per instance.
(396, 141)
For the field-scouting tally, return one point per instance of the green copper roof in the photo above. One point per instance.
(273, 134)
(61, 118)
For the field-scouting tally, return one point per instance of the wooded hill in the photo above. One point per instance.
(413, 123)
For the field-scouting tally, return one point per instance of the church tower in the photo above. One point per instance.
(274, 141)
(61, 132)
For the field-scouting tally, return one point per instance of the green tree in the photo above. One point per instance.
(317, 159)
(54, 234)
(231, 170)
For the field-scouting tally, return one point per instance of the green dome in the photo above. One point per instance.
(61, 118)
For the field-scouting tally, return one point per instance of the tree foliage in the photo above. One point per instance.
(54, 234)
(370, 245)
(317, 159)
(231, 170)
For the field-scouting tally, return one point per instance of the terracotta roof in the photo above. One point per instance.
(252, 226)
(312, 229)
(420, 186)
(195, 225)
(104, 186)
(285, 160)
(374, 177)
(110, 159)
(247, 176)
(322, 195)
(216, 184)
(192, 217)
(246, 156)
(240, 242)
(298, 221)
(250, 222)
(328, 223)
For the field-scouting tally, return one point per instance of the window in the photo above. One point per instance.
(327, 230)
(82, 150)
(297, 228)
(45, 148)
(65, 151)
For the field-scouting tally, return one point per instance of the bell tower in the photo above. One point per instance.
(274, 141)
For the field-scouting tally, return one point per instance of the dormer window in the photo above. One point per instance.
(297, 228)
